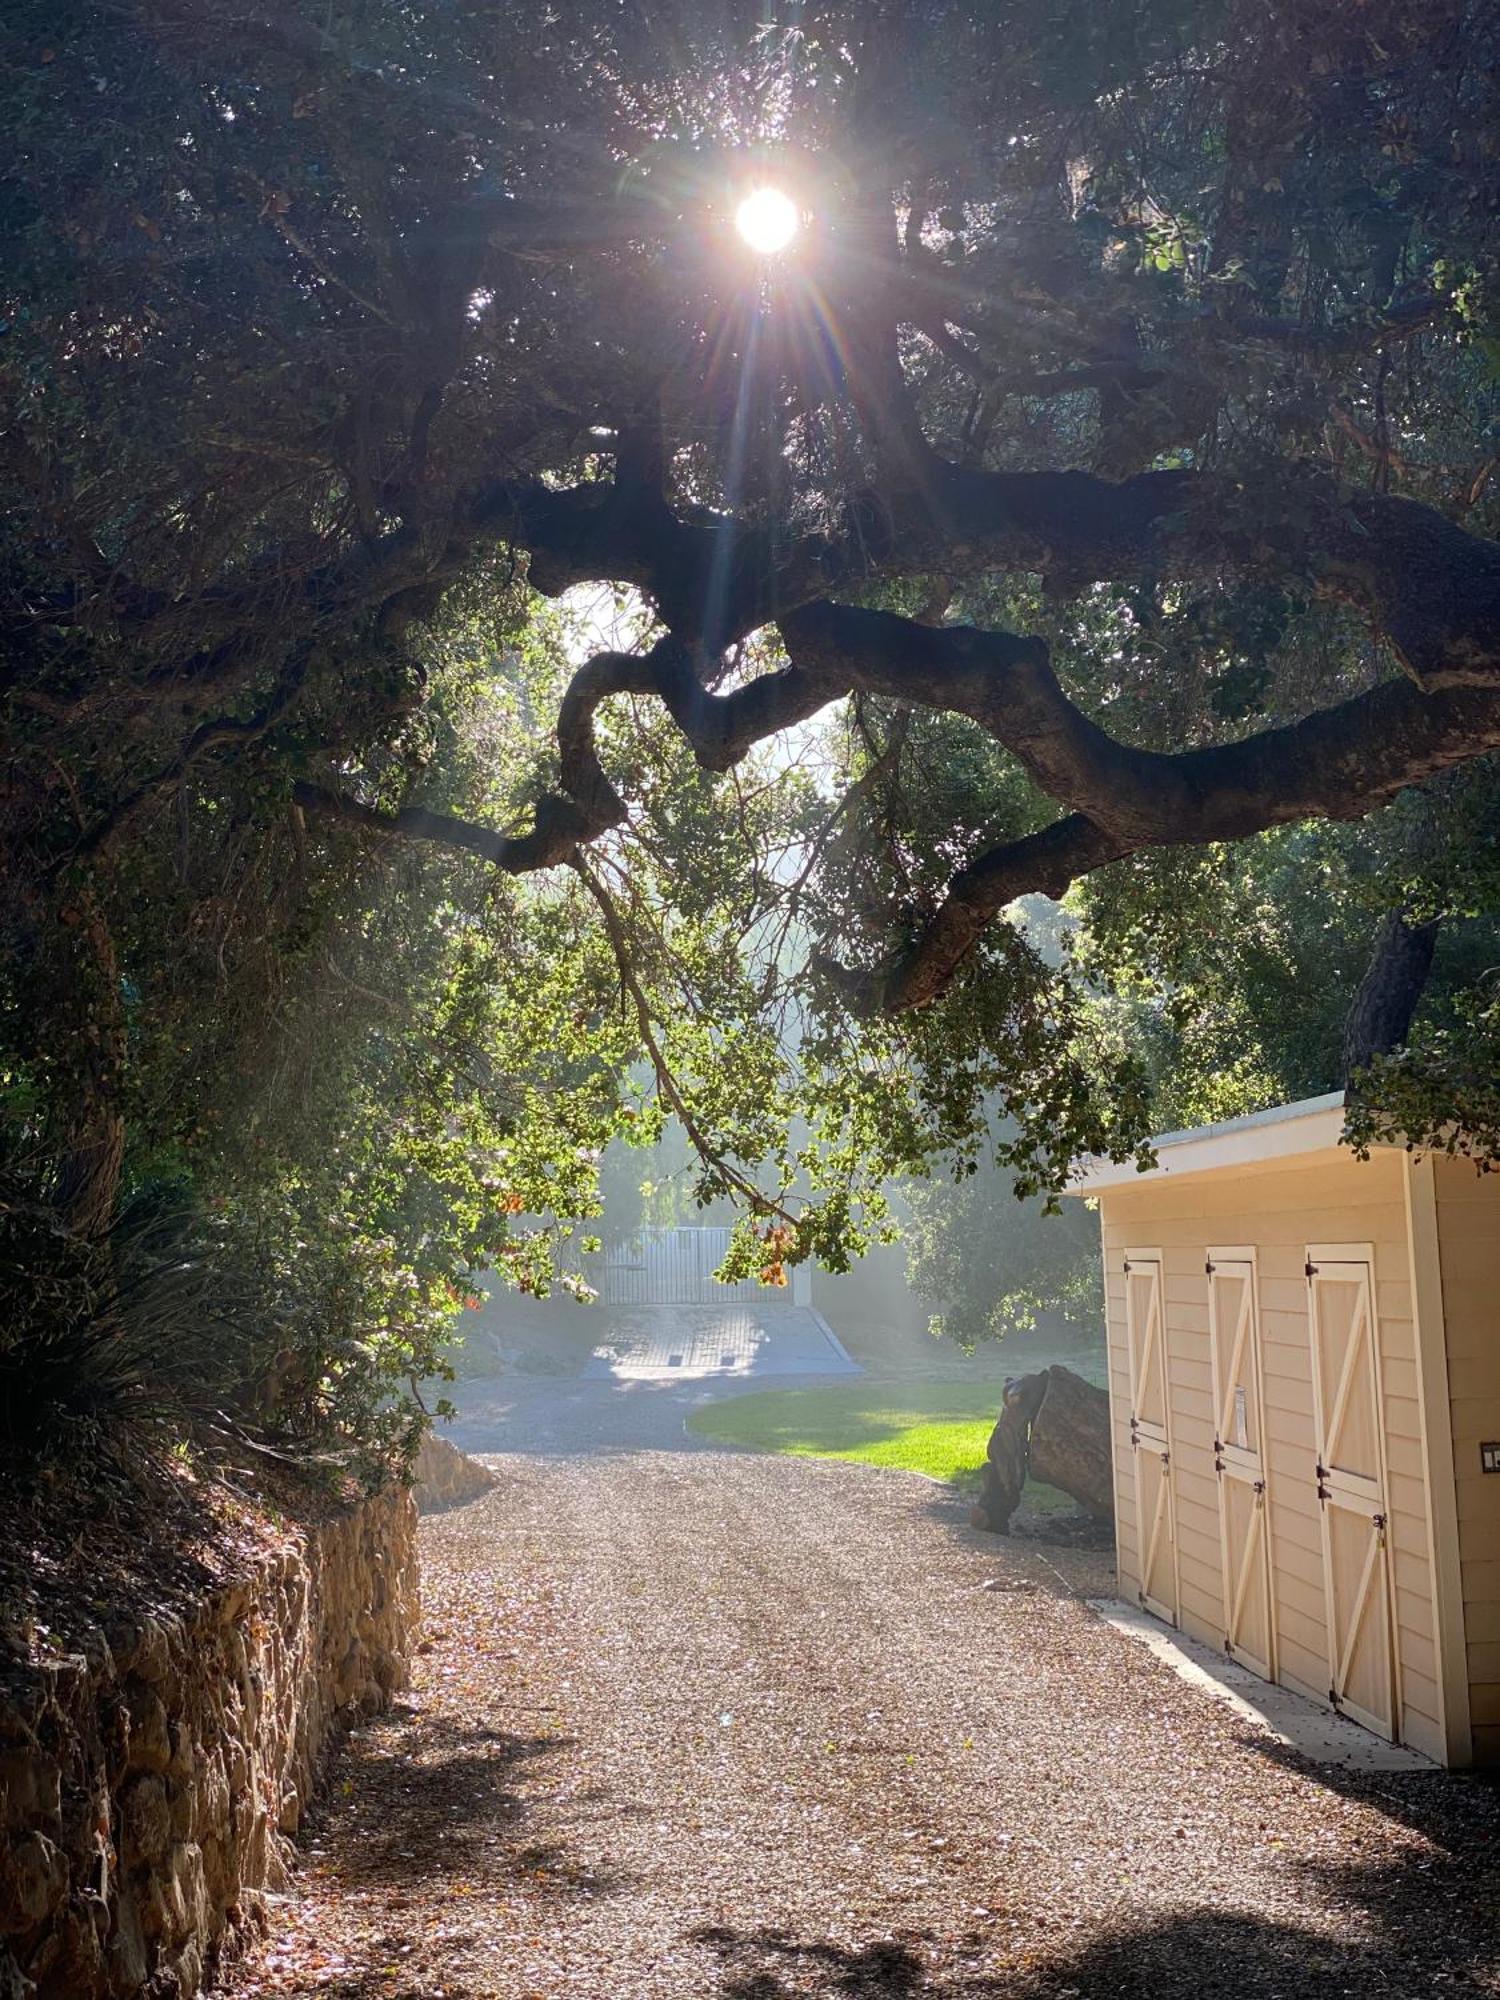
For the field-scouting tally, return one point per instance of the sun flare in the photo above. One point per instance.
(767, 220)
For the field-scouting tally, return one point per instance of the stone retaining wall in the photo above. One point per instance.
(149, 1783)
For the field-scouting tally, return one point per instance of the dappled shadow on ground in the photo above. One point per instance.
(1076, 1553)
(1404, 1929)
(1424, 1921)
(425, 1799)
(425, 1824)
(1458, 1811)
(428, 1812)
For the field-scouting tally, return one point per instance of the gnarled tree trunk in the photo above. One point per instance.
(1380, 1015)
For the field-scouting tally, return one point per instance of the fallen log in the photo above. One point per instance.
(1069, 1445)
(1054, 1427)
(1006, 1453)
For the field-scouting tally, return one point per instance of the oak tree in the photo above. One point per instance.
(1106, 462)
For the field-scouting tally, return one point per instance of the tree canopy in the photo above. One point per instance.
(1101, 477)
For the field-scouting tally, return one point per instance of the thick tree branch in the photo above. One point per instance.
(1429, 587)
(1341, 763)
(712, 578)
(1336, 763)
(1042, 863)
(1004, 683)
(507, 852)
(721, 729)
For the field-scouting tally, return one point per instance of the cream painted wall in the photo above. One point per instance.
(1468, 1218)
(1279, 1209)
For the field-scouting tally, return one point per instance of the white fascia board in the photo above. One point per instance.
(1284, 1131)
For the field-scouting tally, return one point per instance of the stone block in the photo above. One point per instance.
(188, 1873)
(30, 1788)
(145, 1820)
(150, 1746)
(33, 1881)
(71, 1959)
(128, 1965)
(151, 1656)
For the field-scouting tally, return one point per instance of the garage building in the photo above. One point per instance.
(1305, 1401)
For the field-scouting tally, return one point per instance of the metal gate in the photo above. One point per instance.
(1150, 1433)
(1351, 1490)
(1239, 1459)
(673, 1267)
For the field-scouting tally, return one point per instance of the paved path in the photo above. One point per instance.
(726, 1342)
(701, 1724)
(584, 1417)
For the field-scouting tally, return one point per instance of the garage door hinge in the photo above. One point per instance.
(1310, 1269)
(1321, 1471)
(1208, 1267)
(1127, 1267)
(1218, 1455)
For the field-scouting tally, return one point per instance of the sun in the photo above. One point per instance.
(767, 220)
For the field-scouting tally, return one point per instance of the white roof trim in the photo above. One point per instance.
(1280, 1133)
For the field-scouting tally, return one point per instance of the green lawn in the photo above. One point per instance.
(940, 1428)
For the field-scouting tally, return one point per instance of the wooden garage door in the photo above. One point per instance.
(1151, 1445)
(1351, 1489)
(1239, 1460)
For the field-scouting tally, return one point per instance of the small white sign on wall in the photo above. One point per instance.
(1241, 1418)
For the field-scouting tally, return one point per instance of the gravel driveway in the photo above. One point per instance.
(694, 1723)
